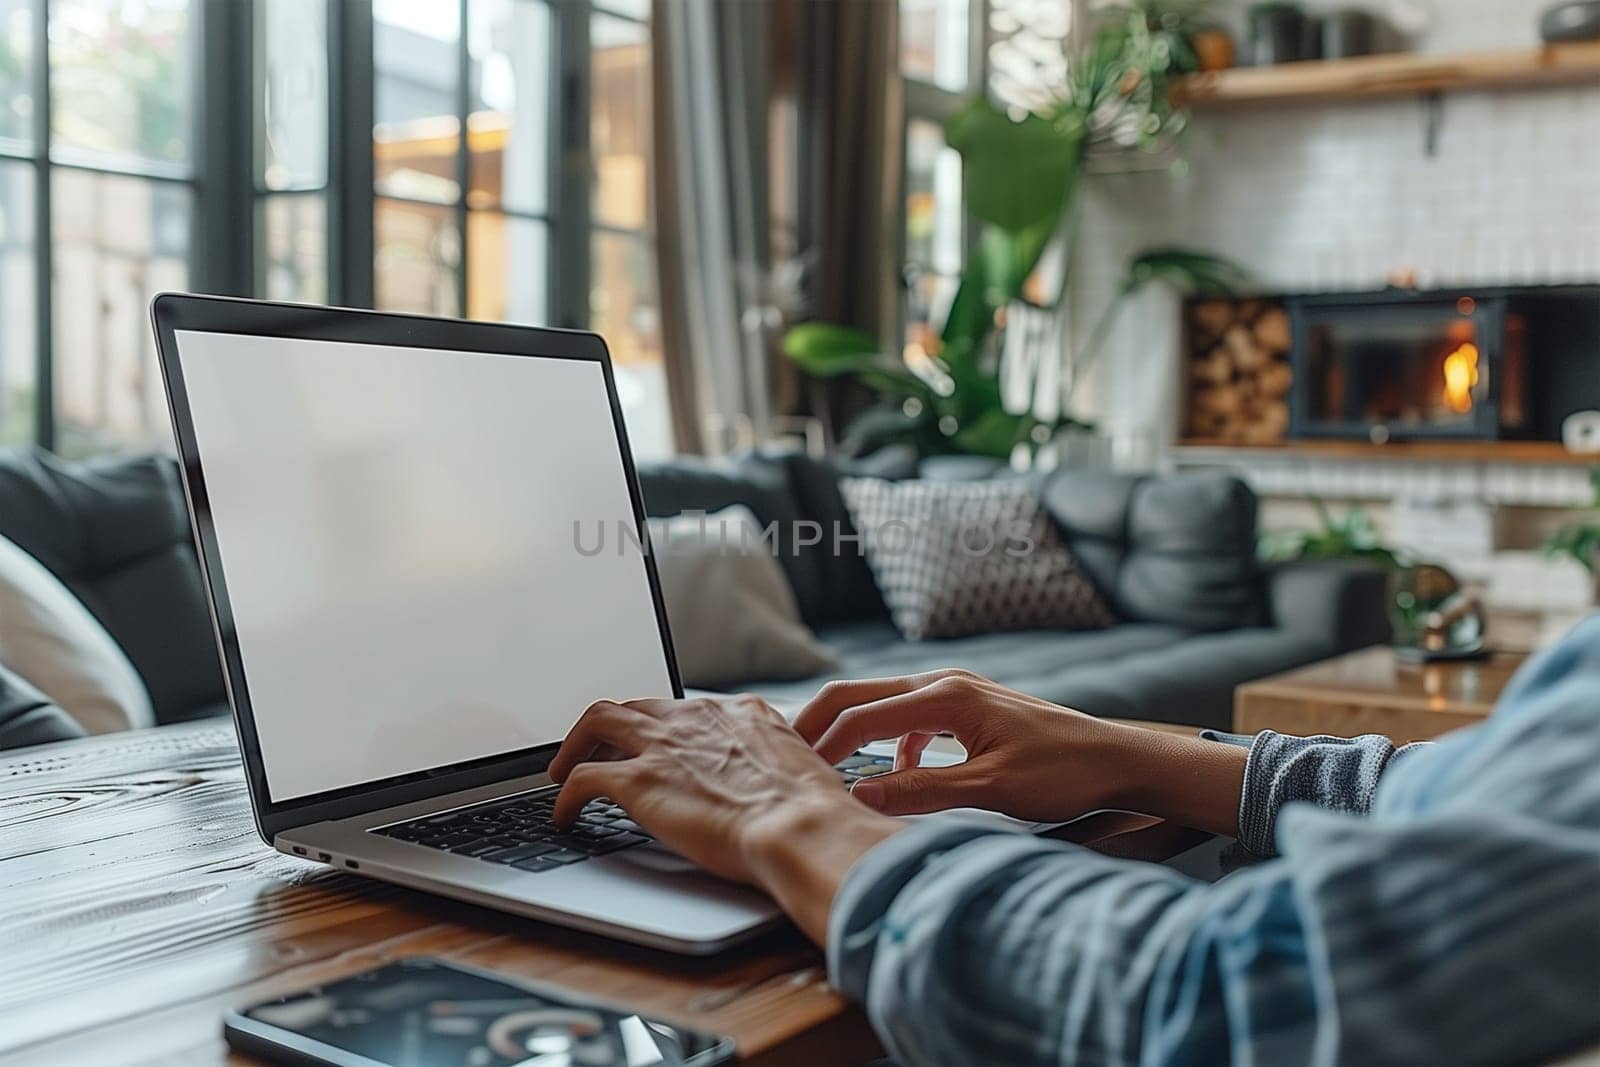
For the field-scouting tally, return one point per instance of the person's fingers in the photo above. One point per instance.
(944, 705)
(605, 722)
(837, 697)
(908, 752)
(589, 781)
(916, 791)
(655, 707)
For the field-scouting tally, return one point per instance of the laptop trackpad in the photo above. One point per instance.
(656, 857)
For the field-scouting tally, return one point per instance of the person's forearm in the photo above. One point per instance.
(1189, 780)
(800, 855)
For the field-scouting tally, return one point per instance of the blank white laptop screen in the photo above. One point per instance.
(400, 531)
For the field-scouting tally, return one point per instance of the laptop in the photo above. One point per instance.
(387, 509)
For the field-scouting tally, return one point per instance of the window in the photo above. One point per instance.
(623, 303)
(1013, 50)
(941, 62)
(398, 154)
(97, 190)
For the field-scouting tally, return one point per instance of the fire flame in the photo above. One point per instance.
(1460, 375)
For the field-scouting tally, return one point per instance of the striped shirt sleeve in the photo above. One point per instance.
(1451, 915)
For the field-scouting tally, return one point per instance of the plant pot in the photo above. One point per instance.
(1214, 49)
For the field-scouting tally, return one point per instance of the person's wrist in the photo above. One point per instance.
(1189, 780)
(800, 852)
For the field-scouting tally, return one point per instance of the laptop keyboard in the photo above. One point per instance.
(518, 832)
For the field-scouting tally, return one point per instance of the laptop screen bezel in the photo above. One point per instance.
(175, 312)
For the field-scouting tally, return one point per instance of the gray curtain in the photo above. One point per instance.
(709, 76)
(776, 143)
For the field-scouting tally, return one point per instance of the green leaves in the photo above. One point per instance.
(1352, 535)
(1015, 174)
(1581, 540)
(827, 350)
(1186, 270)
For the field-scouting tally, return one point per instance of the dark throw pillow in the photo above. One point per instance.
(959, 558)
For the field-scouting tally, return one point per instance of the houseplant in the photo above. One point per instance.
(1581, 540)
(1021, 177)
(1418, 589)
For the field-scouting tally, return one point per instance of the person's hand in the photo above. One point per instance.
(727, 783)
(1026, 757)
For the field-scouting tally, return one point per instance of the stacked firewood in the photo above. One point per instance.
(1238, 371)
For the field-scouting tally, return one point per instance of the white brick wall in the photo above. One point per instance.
(1339, 196)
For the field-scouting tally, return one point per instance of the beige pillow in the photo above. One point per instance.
(734, 618)
(49, 638)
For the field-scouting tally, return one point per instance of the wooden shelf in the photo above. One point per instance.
(1401, 74)
(1549, 452)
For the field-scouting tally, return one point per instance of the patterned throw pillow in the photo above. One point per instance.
(958, 558)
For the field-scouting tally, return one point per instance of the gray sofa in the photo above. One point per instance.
(1175, 556)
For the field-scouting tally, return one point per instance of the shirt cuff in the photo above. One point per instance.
(859, 907)
(1336, 773)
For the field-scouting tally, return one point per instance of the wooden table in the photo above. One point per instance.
(1375, 692)
(139, 904)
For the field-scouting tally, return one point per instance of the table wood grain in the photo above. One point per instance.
(139, 904)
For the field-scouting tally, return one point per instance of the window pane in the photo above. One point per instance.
(415, 133)
(623, 309)
(119, 73)
(294, 94)
(933, 41)
(16, 73)
(508, 130)
(118, 241)
(294, 238)
(619, 124)
(17, 359)
(933, 200)
(416, 257)
(1028, 52)
(507, 268)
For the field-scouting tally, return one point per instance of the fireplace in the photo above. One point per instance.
(1409, 367)
(1471, 364)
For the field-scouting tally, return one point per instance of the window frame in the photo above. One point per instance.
(215, 249)
(226, 245)
(927, 101)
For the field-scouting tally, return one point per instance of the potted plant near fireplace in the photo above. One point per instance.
(1021, 177)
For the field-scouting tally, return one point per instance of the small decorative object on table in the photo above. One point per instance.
(1452, 631)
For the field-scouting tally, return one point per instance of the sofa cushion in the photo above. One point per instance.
(732, 612)
(1031, 660)
(849, 592)
(815, 541)
(48, 637)
(115, 532)
(959, 558)
(1178, 550)
(1147, 671)
(758, 481)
